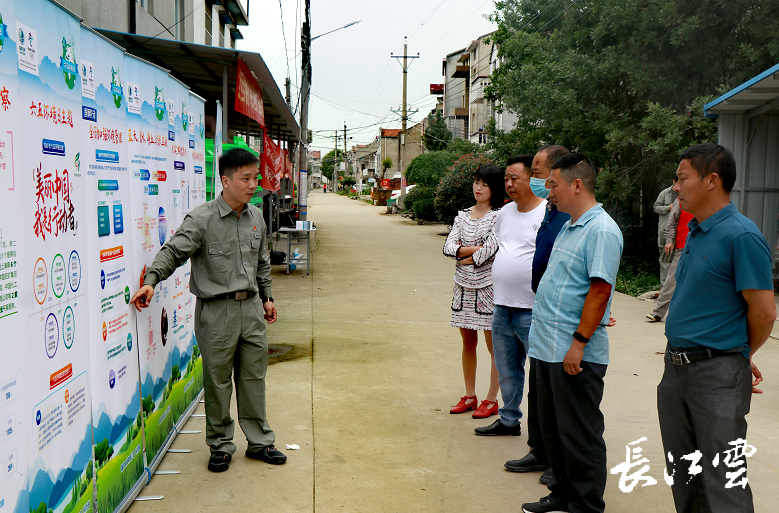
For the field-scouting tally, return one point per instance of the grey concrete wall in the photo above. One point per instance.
(107, 15)
(158, 14)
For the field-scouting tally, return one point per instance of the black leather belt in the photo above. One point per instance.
(238, 296)
(684, 356)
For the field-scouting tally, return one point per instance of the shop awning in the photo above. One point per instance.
(202, 68)
(752, 98)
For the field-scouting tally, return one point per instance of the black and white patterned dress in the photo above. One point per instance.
(472, 303)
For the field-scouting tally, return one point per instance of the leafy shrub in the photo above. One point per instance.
(635, 279)
(427, 169)
(455, 192)
(424, 209)
(418, 193)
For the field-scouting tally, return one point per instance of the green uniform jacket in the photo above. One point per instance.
(228, 251)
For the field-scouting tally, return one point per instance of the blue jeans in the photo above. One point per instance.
(510, 331)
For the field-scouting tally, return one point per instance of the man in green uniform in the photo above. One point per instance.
(226, 241)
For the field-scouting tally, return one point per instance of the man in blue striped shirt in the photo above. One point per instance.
(568, 338)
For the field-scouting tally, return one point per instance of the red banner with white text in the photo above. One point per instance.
(272, 165)
(248, 95)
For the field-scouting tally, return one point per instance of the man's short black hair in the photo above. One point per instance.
(553, 152)
(493, 177)
(708, 158)
(574, 166)
(525, 159)
(236, 158)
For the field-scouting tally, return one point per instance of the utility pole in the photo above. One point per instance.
(345, 151)
(305, 48)
(403, 119)
(335, 164)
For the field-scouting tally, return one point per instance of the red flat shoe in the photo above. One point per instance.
(462, 407)
(485, 410)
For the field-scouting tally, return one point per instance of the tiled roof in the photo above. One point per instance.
(390, 132)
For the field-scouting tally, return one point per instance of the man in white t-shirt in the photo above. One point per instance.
(515, 231)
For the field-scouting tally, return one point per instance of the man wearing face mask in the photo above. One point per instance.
(536, 460)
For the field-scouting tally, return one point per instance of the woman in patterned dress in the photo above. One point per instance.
(472, 243)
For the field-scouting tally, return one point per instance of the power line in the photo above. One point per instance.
(167, 29)
(426, 19)
(284, 36)
(453, 28)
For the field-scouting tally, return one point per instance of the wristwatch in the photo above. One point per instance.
(266, 299)
(581, 338)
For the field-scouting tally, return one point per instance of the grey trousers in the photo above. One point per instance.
(702, 406)
(667, 291)
(231, 336)
(664, 266)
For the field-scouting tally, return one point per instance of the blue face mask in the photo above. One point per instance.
(538, 186)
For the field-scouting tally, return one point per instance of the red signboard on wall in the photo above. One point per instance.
(248, 96)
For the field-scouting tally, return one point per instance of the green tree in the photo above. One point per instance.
(103, 452)
(428, 168)
(385, 165)
(332, 157)
(175, 373)
(148, 405)
(455, 192)
(624, 82)
(462, 147)
(437, 135)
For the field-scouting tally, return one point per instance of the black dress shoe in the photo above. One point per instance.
(219, 461)
(267, 454)
(497, 428)
(546, 476)
(527, 464)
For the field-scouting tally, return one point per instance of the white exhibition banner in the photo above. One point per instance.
(54, 212)
(116, 400)
(96, 173)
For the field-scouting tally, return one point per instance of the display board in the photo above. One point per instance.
(54, 217)
(14, 380)
(116, 399)
(90, 188)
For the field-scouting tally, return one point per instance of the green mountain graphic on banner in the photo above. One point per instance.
(159, 103)
(68, 63)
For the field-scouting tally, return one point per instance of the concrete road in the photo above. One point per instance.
(376, 368)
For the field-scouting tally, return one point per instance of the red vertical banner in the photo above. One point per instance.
(248, 95)
(287, 165)
(272, 165)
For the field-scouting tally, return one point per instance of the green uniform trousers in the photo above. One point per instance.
(231, 336)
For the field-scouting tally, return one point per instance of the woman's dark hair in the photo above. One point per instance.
(493, 177)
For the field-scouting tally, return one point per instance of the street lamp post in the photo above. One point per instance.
(305, 45)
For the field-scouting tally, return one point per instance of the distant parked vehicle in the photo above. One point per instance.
(396, 193)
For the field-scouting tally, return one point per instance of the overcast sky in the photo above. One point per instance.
(354, 79)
